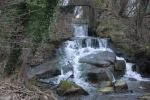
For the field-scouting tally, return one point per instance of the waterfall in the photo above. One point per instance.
(79, 47)
(80, 30)
(82, 45)
(129, 71)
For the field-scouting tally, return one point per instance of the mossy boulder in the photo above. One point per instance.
(66, 88)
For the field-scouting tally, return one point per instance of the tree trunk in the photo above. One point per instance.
(140, 16)
(123, 4)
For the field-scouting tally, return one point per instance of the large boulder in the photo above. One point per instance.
(66, 88)
(120, 68)
(95, 74)
(45, 70)
(99, 59)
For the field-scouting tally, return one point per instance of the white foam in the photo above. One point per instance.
(132, 74)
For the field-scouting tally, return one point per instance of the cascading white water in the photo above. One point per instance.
(129, 71)
(80, 30)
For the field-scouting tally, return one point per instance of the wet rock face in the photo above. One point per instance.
(66, 88)
(100, 59)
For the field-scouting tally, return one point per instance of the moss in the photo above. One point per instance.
(51, 47)
(41, 17)
(65, 84)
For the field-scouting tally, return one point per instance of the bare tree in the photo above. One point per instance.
(141, 11)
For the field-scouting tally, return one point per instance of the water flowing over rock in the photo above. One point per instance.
(100, 59)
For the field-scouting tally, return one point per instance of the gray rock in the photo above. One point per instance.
(120, 86)
(106, 84)
(99, 59)
(146, 96)
(45, 70)
(120, 68)
(120, 65)
(106, 90)
(96, 75)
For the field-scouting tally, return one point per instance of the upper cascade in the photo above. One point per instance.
(78, 12)
(80, 30)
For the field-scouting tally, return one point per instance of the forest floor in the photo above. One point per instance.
(16, 90)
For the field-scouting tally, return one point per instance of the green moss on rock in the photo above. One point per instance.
(65, 84)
